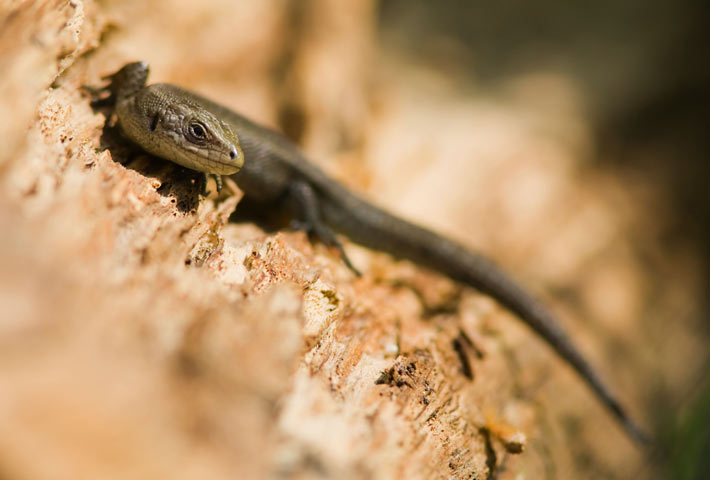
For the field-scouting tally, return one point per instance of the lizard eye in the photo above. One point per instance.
(198, 131)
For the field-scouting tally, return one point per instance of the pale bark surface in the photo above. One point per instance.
(143, 335)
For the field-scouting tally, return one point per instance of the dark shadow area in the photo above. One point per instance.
(268, 217)
(179, 184)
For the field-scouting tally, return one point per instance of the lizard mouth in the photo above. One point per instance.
(223, 166)
(214, 160)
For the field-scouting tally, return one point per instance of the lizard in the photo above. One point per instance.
(186, 128)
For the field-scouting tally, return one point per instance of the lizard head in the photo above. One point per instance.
(171, 124)
(193, 137)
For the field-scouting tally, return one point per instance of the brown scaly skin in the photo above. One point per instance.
(179, 131)
(276, 173)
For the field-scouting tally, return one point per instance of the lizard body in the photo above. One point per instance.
(270, 169)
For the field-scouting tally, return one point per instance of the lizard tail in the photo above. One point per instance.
(374, 228)
(490, 279)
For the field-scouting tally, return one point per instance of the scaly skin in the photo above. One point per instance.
(181, 131)
(275, 172)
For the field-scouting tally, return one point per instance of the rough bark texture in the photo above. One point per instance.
(143, 335)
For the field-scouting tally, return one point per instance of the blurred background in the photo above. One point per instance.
(641, 74)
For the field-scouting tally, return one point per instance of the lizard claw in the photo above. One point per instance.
(204, 178)
(218, 182)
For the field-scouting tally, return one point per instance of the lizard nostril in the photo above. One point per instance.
(233, 154)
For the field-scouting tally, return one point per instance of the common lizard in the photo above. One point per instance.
(186, 128)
